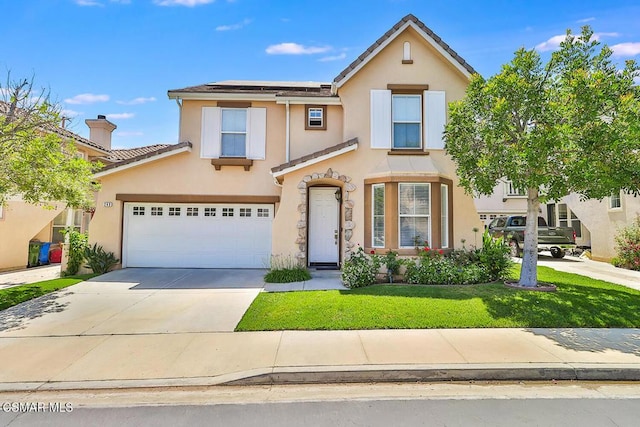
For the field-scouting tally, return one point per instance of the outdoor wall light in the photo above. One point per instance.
(338, 195)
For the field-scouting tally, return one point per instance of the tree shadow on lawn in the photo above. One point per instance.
(18, 316)
(574, 305)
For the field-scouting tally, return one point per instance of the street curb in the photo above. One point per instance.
(358, 374)
(438, 373)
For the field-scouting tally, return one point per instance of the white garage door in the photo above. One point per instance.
(196, 235)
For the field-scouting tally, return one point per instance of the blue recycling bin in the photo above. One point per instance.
(43, 257)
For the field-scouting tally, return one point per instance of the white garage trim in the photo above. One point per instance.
(196, 235)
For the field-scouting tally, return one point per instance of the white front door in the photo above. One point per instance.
(324, 212)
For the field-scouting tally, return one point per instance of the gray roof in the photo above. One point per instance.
(145, 154)
(129, 153)
(302, 89)
(315, 155)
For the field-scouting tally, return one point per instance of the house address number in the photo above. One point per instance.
(108, 204)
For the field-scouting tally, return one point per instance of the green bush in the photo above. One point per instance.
(628, 246)
(286, 270)
(360, 270)
(99, 260)
(77, 243)
(392, 263)
(495, 257)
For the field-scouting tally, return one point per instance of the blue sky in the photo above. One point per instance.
(119, 57)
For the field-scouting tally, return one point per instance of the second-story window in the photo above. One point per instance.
(234, 132)
(407, 121)
(315, 117)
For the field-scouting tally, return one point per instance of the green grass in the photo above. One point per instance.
(578, 302)
(17, 294)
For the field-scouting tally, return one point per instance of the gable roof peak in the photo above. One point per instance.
(431, 37)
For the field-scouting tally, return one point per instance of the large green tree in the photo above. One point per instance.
(36, 164)
(570, 125)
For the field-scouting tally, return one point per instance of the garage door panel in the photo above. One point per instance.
(197, 241)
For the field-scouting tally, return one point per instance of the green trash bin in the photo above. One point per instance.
(34, 252)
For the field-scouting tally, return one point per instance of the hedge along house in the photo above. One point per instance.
(303, 169)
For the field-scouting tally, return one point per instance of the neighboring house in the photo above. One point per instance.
(302, 169)
(598, 220)
(22, 222)
(505, 200)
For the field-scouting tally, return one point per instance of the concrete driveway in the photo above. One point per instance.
(139, 301)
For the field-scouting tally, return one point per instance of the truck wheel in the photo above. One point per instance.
(557, 253)
(514, 249)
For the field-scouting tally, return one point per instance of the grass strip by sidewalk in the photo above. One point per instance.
(579, 302)
(17, 294)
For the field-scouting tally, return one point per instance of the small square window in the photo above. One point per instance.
(316, 117)
(263, 213)
(174, 211)
(615, 202)
(209, 211)
(192, 211)
(483, 217)
(227, 211)
(245, 212)
(138, 210)
(156, 211)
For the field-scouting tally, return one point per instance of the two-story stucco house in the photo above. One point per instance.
(302, 169)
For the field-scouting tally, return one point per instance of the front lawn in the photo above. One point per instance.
(17, 294)
(579, 302)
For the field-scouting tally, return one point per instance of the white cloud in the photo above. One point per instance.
(120, 116)
(188, 3)
(88, 3)
(585, 20)
(333, 58)
(87, 98)
(554, 42)
(129, 133)
(137, 101)
(232, 27)
(626, 49)
(70, 113)
(295, 49)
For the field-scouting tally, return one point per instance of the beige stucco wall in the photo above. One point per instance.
(604, 223)
(21, 223)
(305, 142)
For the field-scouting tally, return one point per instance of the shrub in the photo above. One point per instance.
(433, 268)
(360, 270)
(77, 244)
(495, 257)
(628, 246)
(99, 260)
(286, 270)
(392, 264)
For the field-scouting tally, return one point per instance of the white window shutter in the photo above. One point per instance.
(210, 135)
(435, 118)
(256, 133)
(380, 118)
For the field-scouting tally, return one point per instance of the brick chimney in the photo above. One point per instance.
(100, 130)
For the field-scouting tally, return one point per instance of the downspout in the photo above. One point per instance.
(287, 136)
(179, 118)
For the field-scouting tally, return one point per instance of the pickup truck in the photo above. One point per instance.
(554, 239)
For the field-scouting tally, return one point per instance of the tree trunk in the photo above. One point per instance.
(529, 272)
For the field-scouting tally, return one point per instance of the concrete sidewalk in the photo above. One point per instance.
(284, 357)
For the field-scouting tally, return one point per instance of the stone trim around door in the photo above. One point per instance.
(335, 179)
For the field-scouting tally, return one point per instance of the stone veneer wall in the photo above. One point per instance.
(342, 181)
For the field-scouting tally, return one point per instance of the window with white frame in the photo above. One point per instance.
(66, 218)
(444, 215)
(378, 215)
(263, 213)
(156, 211)
(209, 211)
(245, 212)
(234, 132)
(615, 202)
(414, 214)
(316, 119)
(406, 111)
(566, 218)
(174, 211)
(511, 191)
(410, 121)
(192, 211)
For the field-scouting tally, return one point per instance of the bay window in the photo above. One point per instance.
(414, 214)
